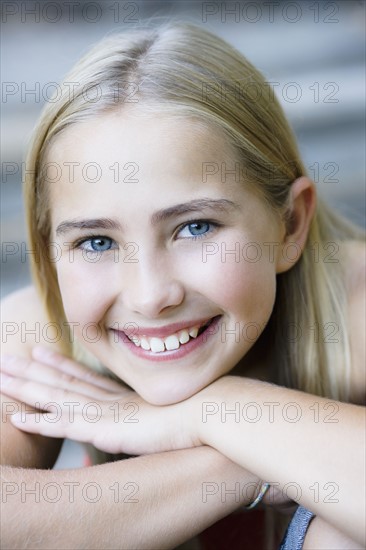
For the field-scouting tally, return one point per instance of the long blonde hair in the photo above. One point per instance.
(186, 71)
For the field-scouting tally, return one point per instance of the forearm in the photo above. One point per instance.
(20, 449)
(319, 464)
(154, 501)
(322, 536)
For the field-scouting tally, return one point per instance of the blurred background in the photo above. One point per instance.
(313, 53)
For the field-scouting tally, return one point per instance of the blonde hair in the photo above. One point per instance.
(188, 72)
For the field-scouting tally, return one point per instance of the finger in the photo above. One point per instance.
(77, 427)
(40, 396)
(25, 369)
(48, 425)
(45, 374)
(75, 369)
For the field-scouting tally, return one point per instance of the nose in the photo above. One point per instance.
(152, 287)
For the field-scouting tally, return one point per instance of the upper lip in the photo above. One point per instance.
(134, 329)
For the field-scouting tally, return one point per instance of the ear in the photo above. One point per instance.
(302, 202)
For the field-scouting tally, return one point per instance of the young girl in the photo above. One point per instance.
(179, 250)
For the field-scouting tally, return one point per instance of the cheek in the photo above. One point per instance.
(243, 288)
(84, 291)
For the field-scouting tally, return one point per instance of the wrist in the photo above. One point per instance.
(207, 409)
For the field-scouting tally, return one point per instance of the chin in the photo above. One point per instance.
(166, 396)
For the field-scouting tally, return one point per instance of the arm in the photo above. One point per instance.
(20, 449)
(203, 419)
(322, 536)
(154, 501)
(306, 454)
(235, 489)
(188, 482)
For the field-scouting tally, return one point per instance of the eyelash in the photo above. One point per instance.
(78, 244)
(214, 226)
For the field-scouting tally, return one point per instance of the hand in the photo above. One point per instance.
(74, 402)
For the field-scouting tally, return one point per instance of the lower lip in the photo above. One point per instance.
(182, 351)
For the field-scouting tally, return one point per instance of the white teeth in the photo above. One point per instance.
(135, 340)
(183, 337)
(145, 344)
(193, 332)
(171, 342)
(157, 345)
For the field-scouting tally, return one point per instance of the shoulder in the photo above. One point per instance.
(24, 297)
(24, 322)
(353, 258)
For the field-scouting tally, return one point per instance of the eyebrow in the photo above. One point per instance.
(223, 205)
(95, 223)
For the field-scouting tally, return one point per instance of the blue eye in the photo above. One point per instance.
(196, 229)
(96, 244)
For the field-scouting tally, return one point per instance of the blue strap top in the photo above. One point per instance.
(296, 531)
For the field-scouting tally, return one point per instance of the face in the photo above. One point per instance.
(164, 273)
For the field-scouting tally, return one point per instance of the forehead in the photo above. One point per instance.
(148, 161)
(128, 134)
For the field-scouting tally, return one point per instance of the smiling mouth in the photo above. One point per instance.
(171, 342)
